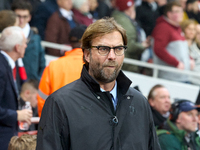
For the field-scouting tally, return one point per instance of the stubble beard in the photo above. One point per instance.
(103, 74)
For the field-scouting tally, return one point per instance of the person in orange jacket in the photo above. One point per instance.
(63, 70)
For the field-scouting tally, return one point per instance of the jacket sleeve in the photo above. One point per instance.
(153, 139)
(161, 40)
(167, 142)
(42, 61)
(53, 131)
(52, 33)
(44, 90)
(8, 117)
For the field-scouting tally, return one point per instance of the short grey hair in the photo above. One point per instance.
(10, 37)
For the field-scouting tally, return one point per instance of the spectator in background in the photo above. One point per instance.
(159, 100)
(192, 34)
(59, 26)
(103, 9)
(13, 45)
(9, 18)
(137, 42)
(93, 5)
(112, 6)
(192, 10)
(161, 4)
(189, 29)
(81, 10)
(42, 14)
(29, 93)
(146, 15)
(183, 3)
(169, 45)
(63, 70)
(24, 142)
(183, 126)
(34, 60)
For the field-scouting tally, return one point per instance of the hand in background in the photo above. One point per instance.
(180, 66)
(192, 64)
(24, 115)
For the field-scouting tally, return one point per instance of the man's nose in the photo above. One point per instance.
(112, 54)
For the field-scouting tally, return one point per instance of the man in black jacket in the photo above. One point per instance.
(99, 111)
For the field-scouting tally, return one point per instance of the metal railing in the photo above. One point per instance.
(154, 67)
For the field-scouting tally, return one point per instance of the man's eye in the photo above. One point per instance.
(103, 48)
(119, 48)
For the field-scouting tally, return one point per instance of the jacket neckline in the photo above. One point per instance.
(123, 82)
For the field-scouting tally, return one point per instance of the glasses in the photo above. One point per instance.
(105, 50)
(23, 17)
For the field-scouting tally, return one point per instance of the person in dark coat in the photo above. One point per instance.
(59, 26)
(41, 15)
(13, 44)
(99, 111)
(146, 15)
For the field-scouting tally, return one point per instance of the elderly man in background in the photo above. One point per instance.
(159, 100)
(12, 45)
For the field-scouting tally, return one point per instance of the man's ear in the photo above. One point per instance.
(17, 47)
(87, 55)
(151, 102)
(178, 119)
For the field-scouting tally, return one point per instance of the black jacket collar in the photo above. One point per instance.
(123, 82)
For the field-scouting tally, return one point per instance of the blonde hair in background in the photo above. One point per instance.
(186, 23)
(24, 142)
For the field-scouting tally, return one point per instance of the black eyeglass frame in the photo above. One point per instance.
(114, 48)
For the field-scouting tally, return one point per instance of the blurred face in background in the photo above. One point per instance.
(175, 15)
(131, 12)
(183, 3)
(161, 100)
(93, 5)
(85, 7)
(161, 2)
(188, 121)
(33, 97)
(193, 7)
(190, 31)
(24, 17)
(65, 4)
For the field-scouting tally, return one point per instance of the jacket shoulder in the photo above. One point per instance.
(162, 131)
(135, 93)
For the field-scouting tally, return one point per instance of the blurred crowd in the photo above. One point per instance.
(159, 31)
